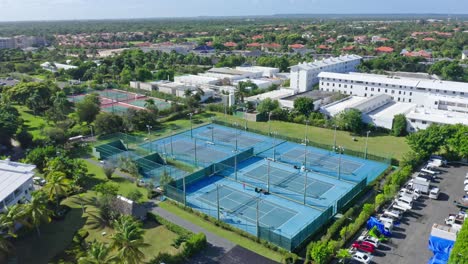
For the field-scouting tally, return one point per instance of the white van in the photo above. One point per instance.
(405, 202)
(434, 193)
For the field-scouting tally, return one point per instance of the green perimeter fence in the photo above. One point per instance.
(176, 192)
(359, 154)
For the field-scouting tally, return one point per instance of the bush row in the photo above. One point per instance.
(287, 256)
(339, 232)
(194, 243)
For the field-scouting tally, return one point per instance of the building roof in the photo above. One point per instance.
(326, 62)
(272, 45)
(203, 48)
(438, 116)
(384, 49)
(324, 47)
(227, 71)
(392, 80)
(314, 94)
(255, 44)
(296, 46)
(12, 176)
(230, 44)
(257, 37)
(337, 107)
(274, 95)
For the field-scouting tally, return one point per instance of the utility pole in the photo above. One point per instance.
(305, 187)
(269, 123)
(340, 152)
(185, 195)
(172, 149)
(367, 137)
(195, 149)
(149, 130)
(334, 139)
(268, 177)
(191, 125)
(217, 199)
(305, 144)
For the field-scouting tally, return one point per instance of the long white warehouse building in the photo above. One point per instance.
(305, 75)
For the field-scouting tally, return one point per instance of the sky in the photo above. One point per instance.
(18, 10)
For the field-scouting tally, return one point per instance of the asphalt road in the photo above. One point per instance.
(409, 243)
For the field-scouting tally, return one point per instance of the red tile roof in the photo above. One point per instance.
(230, 44)
(209, 43)
(272, 45)
(257, 37)
(384, 49)
(296, 46)
(324, 47)
(348, 48)
(255, 44)
(428, 39)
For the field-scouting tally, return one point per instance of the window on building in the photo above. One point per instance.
(445, 91)
(403, 99)
(372, 89)
(399, 92)
(339, 85)
(366, 88)
(412, 120)
(411, 93)
(351, 92)
(322, 83)
(435, 102)
(367, 83)
(333, 85)
(454, 92)
(365, 95)
(424, 122)
(378, 90)
(398, 99)
(409, 100)
(393, 91)
(462, 93)
(393, 86)
(385, 90)
(345, 86)
(400, 86)
(351, 87)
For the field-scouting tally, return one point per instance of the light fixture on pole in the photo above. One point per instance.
(367, 138)
(149, 130)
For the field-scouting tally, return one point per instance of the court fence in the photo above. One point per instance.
(355, 153)
(348, 197)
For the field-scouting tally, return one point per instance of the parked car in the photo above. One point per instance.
(364, 246)
(39, 181)
(395, 214)
(465, 182)
(371, 240)
(362, 257)
(415, 194)
(405, 202)
(434, 193)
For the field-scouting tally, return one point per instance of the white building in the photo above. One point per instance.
(273, 95)
(305, 75)
(261, 83)
(54, 66)
(16, 183)
(422, 101)
(195, 79)
(265, 71)
(464, 54)
(422, 92)
(230, 74)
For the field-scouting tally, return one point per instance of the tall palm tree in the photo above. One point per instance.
(98, 253)
(37, 211)
(57, 186)
(149, 102)
(128, 240)
(241, 91)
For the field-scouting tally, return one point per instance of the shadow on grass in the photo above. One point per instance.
(55, 238)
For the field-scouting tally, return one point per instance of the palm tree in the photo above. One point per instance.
(57, 186)
(128, 239)
(149, 102)
(11, 216)
(188, 93)
(98, 253)
(241, 91)
(37, 211)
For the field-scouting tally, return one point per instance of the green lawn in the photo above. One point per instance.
(125, 186)
(231, 236)
(34, 123)
(378, 144)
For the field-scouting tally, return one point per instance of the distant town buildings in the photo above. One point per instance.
(22, 42)
(305, 75)
(464, 54)
(54, 66)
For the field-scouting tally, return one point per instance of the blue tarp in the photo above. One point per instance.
(375, 222)
(441, 249)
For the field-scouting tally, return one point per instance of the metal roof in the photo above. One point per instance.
(12, 176)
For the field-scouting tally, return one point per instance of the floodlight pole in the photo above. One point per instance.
(305, 187)
(183, 186)
(245, 119)
(92, 132)
(334, 139)
(217, 200)
(275, 133)
(191, 125)
(367, 137)
(235, 166)
(268, 177)
(269, 123)
(172, 149)
(341, 150)
(305, 144)
(149, 130)
(195, 149)
(257, 221)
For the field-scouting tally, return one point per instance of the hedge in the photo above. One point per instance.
(341, 232)
(458, 254)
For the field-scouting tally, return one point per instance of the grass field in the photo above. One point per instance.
(383, 145)
(231, 236)
(33, 123)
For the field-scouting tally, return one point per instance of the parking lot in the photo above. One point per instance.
(409, 242)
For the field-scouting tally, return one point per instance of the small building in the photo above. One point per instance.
(126, 206)
(16, 183)
(464, 54)
(262, 71)
(319, 97)
(274, 95)
(204, 49)
(54, 66)
(196, 79)
(384, 49)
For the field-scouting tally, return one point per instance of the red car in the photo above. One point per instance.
(364, 246)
